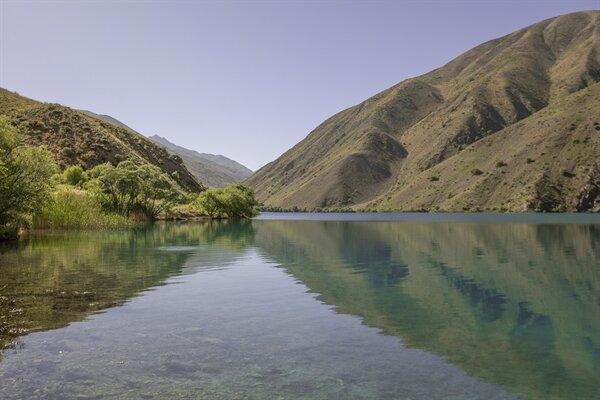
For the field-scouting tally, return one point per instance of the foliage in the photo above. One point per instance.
(210, 201)
(185, 211)
(234, 201)
(71, 208)
(25, 183)
(74, 175)
(129, 188)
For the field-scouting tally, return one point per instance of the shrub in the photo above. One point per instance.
(530, 160)
(434, 178)
(68, 152)
(74, 175)
(501, 164)
(234, 201)
(476, 171)
(25, 183)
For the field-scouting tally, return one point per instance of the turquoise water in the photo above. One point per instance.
(307, 306)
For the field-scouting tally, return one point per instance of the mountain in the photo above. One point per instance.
(109, 119)
(213, 170)
(513, 124)
(86, 139)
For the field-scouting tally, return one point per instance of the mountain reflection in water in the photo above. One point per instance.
(510, 304)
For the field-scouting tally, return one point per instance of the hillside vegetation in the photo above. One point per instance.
(511, 125)
(65, 169)
(75, 138)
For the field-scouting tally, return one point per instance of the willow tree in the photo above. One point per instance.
(129, 188)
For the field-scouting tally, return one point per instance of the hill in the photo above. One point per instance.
(213, 170)
(513, 124)
(80, 138)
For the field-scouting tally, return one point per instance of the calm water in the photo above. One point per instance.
(354, 306)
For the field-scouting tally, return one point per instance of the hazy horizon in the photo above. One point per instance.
(246, 80)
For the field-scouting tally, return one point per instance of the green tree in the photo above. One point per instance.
(129, 188)
(239, 201)
(157, 193)
(25, 183)
(210, 202)
(234, 201)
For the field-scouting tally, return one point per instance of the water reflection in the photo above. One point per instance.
(48, 281)
(515, 305)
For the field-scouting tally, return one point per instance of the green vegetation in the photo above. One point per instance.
(33, 194)
(71, 208)
(74, 175)
(234, 201)
(25, 187)
(130, 189)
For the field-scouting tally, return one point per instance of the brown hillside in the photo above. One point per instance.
(433, 142)
(79, 139)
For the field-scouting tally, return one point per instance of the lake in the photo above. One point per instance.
(307, 306)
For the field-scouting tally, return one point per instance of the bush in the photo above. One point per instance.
(25, 183)
(68, 152)
(77, 209)
(234, 201)
(501, 164)
(477, 171)
(74, 175)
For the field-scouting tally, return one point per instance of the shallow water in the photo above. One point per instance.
(350, 306)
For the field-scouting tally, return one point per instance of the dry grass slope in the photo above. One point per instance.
(509, 125)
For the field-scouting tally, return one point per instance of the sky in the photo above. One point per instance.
(244, 79)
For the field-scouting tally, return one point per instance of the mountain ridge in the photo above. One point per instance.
(382, 154)
(215, 170)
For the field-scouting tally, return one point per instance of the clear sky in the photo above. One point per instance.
(244, 79)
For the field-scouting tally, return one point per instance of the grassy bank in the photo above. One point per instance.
(71, 208)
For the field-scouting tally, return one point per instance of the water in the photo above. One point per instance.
(344, 306)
